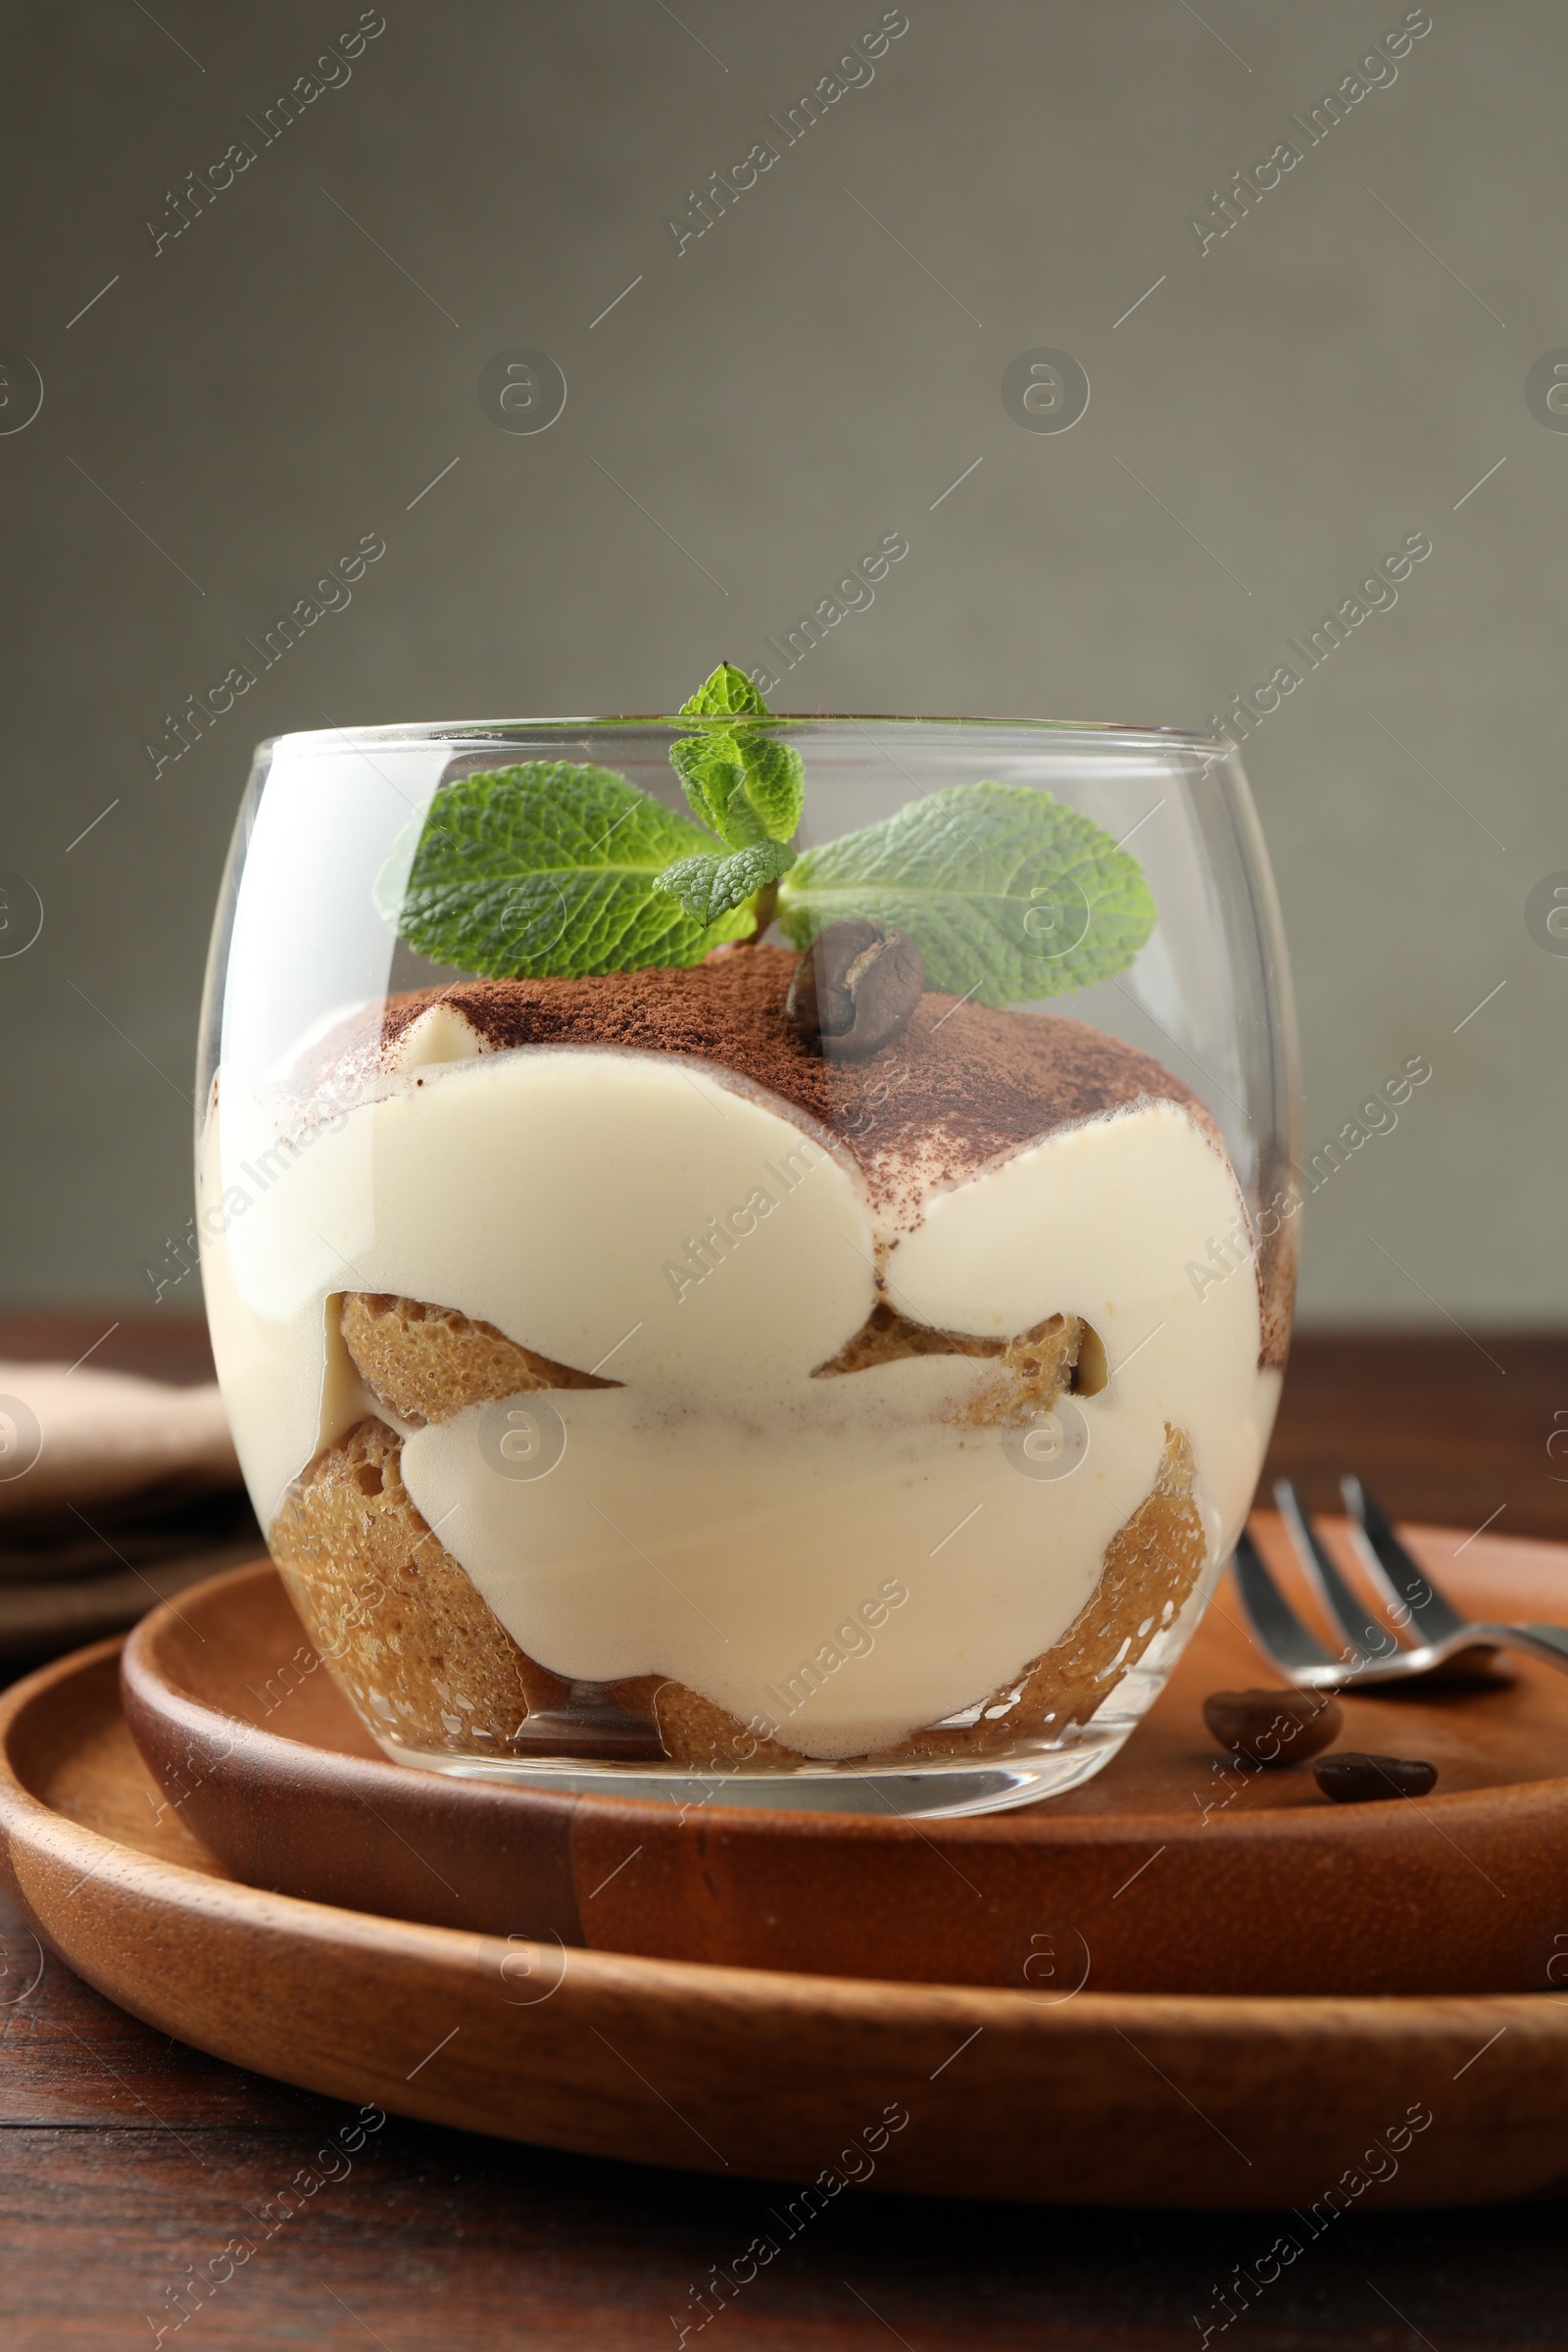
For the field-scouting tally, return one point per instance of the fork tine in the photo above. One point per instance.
(1407, 1586)
(1275, 1627)
(1366, 1642)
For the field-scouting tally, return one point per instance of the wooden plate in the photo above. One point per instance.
(1172, 1872)
(1099, 2098)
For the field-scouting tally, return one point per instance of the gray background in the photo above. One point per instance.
(1280, 411)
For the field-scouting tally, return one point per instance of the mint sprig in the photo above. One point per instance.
(550, 868)
(1011, 895)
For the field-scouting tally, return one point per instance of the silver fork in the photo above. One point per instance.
(1447, 1644)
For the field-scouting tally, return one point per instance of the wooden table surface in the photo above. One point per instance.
(128, 2161)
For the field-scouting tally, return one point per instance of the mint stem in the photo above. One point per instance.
(764, 905)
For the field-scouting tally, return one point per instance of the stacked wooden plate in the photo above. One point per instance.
(1180, 1985)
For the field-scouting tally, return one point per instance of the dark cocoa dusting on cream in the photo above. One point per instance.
(961, 1087)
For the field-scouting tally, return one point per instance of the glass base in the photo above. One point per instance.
(925, 1791)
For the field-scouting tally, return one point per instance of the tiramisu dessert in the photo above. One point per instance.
(721, 1333)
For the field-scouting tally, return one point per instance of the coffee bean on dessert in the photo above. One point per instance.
(1355, 1779)
(855, 988)
(1273, 1727)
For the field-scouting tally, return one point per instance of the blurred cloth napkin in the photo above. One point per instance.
(115, 1492)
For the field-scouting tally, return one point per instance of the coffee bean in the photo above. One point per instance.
(1273, 1727)
(1355, 1779)
(855, 988)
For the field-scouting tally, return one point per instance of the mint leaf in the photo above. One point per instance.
(743, 784)
(1010, 895)
(775, 782)
(712, 773)
(740, 781)
(728, 690)
(548, 867)
(709, 886)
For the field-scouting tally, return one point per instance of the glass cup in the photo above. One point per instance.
(821, 1357)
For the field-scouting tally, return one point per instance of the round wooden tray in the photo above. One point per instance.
(1172, 1872)
(1093, 2098)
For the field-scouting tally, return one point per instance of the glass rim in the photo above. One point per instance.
(1125, 731)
